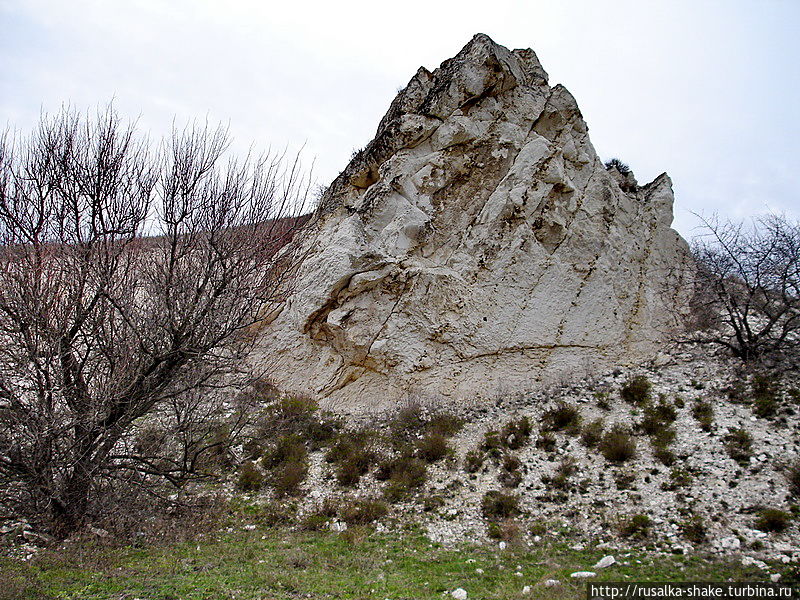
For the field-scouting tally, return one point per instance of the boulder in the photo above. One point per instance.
(477, 246)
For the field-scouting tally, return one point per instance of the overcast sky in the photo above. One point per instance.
(705, 90)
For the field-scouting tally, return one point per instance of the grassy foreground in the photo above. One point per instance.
(277, 563)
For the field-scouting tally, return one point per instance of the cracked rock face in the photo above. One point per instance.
(476, 246)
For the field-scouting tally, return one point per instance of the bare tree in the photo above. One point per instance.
(128, 279)
(748, 287)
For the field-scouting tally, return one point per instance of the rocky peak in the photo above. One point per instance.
(476, 244)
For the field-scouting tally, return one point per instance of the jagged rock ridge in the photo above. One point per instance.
(476, 246)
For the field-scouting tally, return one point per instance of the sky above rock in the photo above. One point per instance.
(705, 90)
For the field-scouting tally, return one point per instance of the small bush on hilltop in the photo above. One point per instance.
(678, 478)
(286, 449)
(513, 435)
(561, 479)
(287, 477)
(287, 463)
(445, 424)
(624, 480)
(602, 400)
(492, 443)
(615, 163)
(660, 443)
(507, 531)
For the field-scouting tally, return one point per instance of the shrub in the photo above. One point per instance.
(405, 474)
(592, 433)
(636, 526)
(499, 505)
(274, 513)
(353, 454)
(703, 411)
(663, 438)
(766, 392)
(492, 443)
(320, 431)
(445, 424)
(772, 520)
(602, 400)
(624, 480)
(678, 478)
(516, 433)
(287, 477)
(314, 522)
(297, 416)
(656, 417)
(507, 530)
(538, 528)
(510, 474)
(340, 449)
(295, 409)
(665, 456)
(739, 445)
(615, 163)
(433, 447)
(636, 390)
(432, 503)
(407, 423)
(250, 478)
(513, 435)
(511, 463)
(288, 448)
(660, 442)
(473, 461)
(546, 442)
(618, 445)
(363, 511)
(253, 449)
(560, 417)
(793, 478)
(565, 469)
(694, 529)
(350, 470)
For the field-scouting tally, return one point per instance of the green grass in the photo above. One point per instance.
(281, 564)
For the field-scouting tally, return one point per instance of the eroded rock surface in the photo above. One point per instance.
(476, 246)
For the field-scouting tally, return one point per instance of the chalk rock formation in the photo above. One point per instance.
(476, 246)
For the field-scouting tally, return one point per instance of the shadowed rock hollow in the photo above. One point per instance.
(476, 246)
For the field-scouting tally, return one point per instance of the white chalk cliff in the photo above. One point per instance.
(477, 245)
